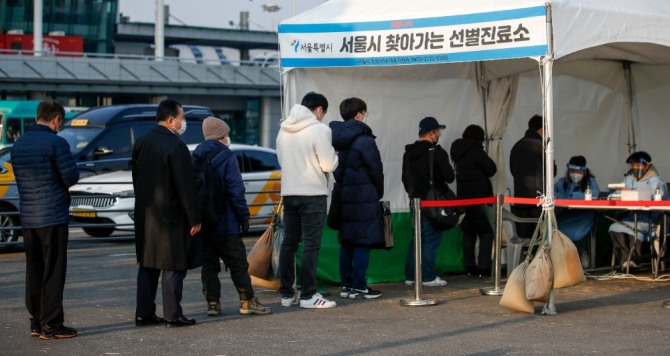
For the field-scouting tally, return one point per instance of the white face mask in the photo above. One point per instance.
(576, 177)
(183, 127)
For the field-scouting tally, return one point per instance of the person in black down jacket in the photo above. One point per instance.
(525, 162)
(44, 170)
(362, 187)
(223, 239)
(416, 179)
(473, 170)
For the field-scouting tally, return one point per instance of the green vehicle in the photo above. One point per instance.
(17, 115)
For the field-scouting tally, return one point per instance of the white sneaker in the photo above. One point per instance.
(288, 302)
(437, 282)
(409, 283)
(317, 302)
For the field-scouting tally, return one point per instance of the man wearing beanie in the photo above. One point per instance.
(306, 156)
(223, 238)
(525, 162)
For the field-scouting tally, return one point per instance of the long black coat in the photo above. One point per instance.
(473, 169)
(363, 184)
(165, 202)
(525, 163)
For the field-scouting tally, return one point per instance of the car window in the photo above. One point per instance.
(140, 129)
(241, 161)
(117, 139)
(13, 130)
(193, 132)
(260, 161)
(79, 137)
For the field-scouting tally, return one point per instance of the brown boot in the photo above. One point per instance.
(253, 306)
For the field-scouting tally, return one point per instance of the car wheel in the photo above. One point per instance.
(98, 231)
(8, 221)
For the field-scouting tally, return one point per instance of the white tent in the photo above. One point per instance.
(609, 60)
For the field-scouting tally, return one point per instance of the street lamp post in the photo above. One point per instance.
(272, 8)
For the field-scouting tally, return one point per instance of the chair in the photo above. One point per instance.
(515, 243)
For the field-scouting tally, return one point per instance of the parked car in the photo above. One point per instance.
(108, 199)
(9, 200)
(102, 139)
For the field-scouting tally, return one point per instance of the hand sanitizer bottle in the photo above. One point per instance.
(658, 196)
(587, 193)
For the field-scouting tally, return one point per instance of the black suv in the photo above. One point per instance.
(102, 139)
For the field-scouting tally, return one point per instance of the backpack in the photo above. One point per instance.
(210, 200)
(445, 217)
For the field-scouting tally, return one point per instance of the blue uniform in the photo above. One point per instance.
(575, 223)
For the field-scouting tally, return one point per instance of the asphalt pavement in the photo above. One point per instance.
(616, 316)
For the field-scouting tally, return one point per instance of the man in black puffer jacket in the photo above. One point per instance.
(44, 170)
(362, 182)
(474, 168)
(525, 162)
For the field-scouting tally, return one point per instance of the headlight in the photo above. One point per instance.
(126, 193)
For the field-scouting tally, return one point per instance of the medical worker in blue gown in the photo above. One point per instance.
(576, 223)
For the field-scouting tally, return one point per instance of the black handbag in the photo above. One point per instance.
(442, 218)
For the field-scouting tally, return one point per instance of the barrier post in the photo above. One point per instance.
(496, 290)
(417, 301)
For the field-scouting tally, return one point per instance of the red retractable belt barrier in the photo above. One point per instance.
(536, 201)
(457, 202)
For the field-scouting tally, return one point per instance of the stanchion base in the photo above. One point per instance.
(417, 302)
(491, 291)
(549, 310)
(666, 304)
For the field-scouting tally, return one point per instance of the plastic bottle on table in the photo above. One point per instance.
(658, 196)
(588, 195)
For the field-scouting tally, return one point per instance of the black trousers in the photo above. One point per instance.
(231, 249)
(172, 284)
(46, 264)
(477, 224)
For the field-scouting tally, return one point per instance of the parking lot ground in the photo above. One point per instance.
(619, 316)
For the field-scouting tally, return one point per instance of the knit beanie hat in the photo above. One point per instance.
(214, 128)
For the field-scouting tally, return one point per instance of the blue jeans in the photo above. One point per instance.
(304, 217)
(430, 241)
(353, 266)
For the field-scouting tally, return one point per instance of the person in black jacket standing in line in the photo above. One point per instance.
(416, 179)
(166, 217)
(525, 163)
(44, 170)
(473, 170)
(362, 187)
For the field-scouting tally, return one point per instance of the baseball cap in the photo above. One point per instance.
(429, 123)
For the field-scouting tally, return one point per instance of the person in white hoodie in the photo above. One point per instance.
(306, 156)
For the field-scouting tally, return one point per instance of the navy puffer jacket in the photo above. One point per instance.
(230, 180)
(44, 170)
(363, 184)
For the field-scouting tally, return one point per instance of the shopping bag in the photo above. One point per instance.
(260, 256)
(539, 277)
(278, 233)
(514, 296)
(565, 261)
(388, 223)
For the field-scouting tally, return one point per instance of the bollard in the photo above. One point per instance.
(496, 290)
(417, 301)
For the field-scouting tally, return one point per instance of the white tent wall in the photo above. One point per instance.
(398, 98)
(651, 108)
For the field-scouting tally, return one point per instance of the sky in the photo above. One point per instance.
(217, 13)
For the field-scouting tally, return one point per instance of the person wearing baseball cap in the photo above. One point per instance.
(223, 238)
(416, 179)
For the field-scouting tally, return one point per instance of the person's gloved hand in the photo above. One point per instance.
(244, 226)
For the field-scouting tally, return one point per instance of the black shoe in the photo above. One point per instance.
(367, 293)
(149, 320)
(472, 271)
(485, 272)
(62, 332)
(182, 321)
(35, 328)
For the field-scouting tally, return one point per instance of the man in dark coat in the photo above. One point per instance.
(362, 178)
(44, 170)
(416, 179)
(166, 216)
(525, 163)
(474, 168)
(223, 238)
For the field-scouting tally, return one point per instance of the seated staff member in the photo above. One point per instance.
(641, 173)
(576, 223)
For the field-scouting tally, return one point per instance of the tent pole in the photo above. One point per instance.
(632, 145)
(548, 109)
(484, 93)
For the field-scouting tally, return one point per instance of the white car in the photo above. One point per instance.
(105, 202)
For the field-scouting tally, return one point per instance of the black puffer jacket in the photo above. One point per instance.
(525, 163)
(363, 184)
(416, 173)
(473, 169)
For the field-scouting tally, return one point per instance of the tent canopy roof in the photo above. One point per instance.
(636, 31)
